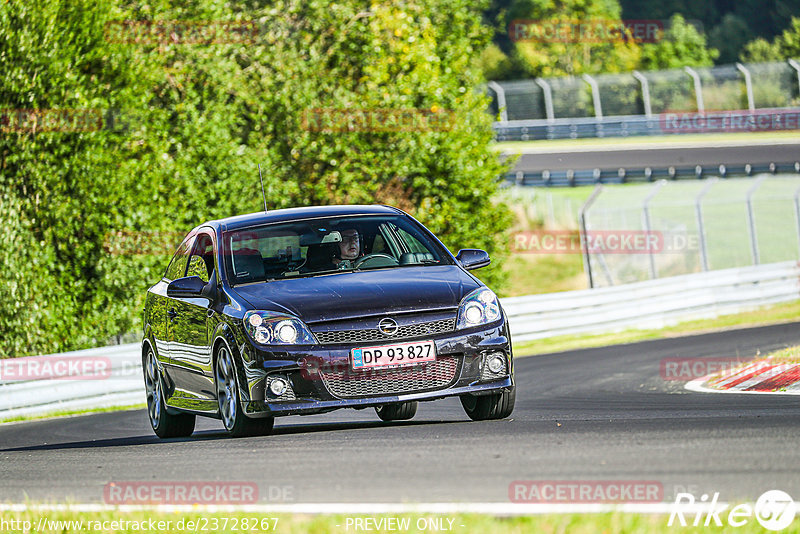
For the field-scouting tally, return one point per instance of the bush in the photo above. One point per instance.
(193, 120)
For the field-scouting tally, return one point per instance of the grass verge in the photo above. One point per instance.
(787, 355)
(69, 521)
(71, 413)
(780, 313)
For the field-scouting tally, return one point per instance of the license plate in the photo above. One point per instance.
(393, 355)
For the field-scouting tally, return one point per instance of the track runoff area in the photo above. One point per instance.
(595, 431)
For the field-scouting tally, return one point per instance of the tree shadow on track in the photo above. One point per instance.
(213, 435)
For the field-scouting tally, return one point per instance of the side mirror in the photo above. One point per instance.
(190, 286)
(473, 258)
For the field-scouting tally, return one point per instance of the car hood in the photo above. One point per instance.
(359, 294)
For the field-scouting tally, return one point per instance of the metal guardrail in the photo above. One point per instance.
(625, 175)
(653, 303)
(677, 124)
(577, 128)
(24, 391)
(648, 304)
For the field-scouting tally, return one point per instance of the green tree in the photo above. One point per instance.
(194, 119)
(591, 40)
(729, 36)
(681, 46)
(783, 47)
(760, 50)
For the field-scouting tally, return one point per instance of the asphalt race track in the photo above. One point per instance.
(614, 157)
(595, 414)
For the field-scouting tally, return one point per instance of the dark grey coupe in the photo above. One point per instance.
(308, 310)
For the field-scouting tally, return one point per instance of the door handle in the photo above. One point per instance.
(172, 313)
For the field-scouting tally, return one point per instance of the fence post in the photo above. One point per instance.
(501, 100)
(548, 99)
(748, 83)
(701, 230)
(598, 108)
(587, 264)
(796, 66)
(647, 227)
(797, 213)
(648, 110)
(751, 219)
(698, 88)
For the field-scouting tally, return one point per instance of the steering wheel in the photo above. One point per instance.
(376, 256)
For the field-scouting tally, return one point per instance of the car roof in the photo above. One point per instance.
(292, 214)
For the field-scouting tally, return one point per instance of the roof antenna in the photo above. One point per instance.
(262, 188)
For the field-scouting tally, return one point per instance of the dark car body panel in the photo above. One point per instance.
(353, 294)
(185, 332)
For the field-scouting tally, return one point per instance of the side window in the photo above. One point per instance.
(201, 262)
(411, 241)
(178, 264)
(379, 245)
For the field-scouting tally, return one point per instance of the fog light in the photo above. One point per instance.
(496, 363)
(278, 386)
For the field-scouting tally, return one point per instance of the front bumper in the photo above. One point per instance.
(308, 371)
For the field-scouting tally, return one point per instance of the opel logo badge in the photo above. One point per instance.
(388, 326)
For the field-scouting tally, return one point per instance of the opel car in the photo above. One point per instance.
(307, 310)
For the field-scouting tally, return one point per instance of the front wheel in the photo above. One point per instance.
(485, 407)
(165, 424)
(236, 422)
(397, 412)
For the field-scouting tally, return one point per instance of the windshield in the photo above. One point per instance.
(322, 246)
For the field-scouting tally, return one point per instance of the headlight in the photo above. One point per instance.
(479, 307)
(270, 328)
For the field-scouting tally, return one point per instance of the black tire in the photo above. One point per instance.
(397, 412)
(164, 424)
(485, 407)
(235, 421)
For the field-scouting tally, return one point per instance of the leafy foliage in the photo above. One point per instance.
(715, 31)
(681, 46)
(567, 53)
(784, 46)
(191, 121)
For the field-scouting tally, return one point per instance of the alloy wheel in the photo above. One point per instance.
(226, 388)
(152, 384)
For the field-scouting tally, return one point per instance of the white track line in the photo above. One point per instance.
(490, 508)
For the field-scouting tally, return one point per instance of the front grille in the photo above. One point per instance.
(372, 334)
(346, 383)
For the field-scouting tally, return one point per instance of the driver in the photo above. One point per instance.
(349, 249)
